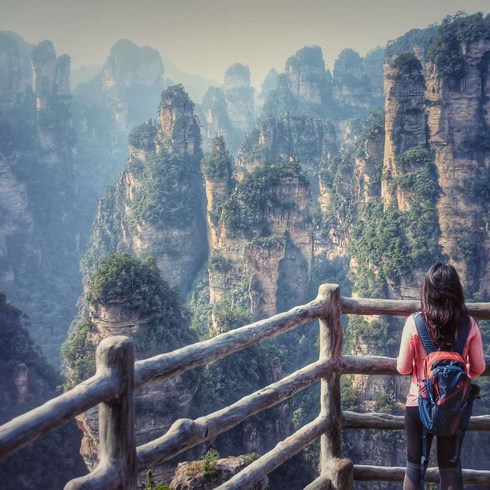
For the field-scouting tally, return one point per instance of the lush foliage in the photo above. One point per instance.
(143, 136)
(217, 164)
(134, 284)
(446, 49)
(406, 62)
(127, 280)
(175, 96)
(380, 248)
(78, 354)
(167, 195)
(256, 194)
(418, 174)
(27, 381)
(415, 38)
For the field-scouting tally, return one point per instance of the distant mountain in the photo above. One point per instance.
(195, 85)
(83, 74)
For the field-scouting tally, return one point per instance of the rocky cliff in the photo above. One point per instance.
(126, 296)
(308, 80)
(123, 94)
(39, 229)
(358, 82)
(156, 207)
(260, 237)
(229, 111)
(239, 97)
(436, 126)
(28, 381)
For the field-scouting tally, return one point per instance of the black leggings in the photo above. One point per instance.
(446, 446)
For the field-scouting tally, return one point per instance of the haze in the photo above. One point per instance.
(207, 36)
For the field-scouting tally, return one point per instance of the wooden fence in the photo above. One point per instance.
(118, 375)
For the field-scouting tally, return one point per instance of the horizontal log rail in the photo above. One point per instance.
(117, 468)
(186, 433)
(53, 414)
(383, 473)
(395, 307)
(170, 364)
(371, 420)
(380, 365)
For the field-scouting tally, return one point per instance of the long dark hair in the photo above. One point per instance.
(443, 304)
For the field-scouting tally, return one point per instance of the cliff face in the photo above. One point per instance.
(446, 116)
(307, 77)
(216, 121)
(457, 115)
(229, 111)
(28, 381)
(263, 243)
(128, 297)
(123, 94)
(156, 206)
(358, 82)
(259, 225)
(239, 97)
(39, 231)
(405, 121)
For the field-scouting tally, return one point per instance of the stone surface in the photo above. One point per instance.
(190, 474)
(239, 97)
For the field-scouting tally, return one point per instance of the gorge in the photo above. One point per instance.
(235, 209)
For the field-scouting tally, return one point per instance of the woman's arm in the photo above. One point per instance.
(476, 361)
(404, 362)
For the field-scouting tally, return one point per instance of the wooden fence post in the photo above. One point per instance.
(117, 469)
(331, 349)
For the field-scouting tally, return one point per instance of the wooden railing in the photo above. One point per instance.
(117, 377)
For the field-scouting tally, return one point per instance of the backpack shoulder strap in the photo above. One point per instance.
(463, 332)
(424, 334)
(426, 339)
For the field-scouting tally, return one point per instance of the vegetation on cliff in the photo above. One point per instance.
(218, 163)
(446, 49)
(137, 286)
(165, 196)
(40, 218)
(143, 136)
(256, 194)
(27, 381)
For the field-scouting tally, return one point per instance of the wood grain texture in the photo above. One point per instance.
(186, 433)
(117, 468)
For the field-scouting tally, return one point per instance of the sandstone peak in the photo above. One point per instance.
(178, 124)
(237, 75)
(129, 64)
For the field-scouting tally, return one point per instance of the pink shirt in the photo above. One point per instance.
(412, 355)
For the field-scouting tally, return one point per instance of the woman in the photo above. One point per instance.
(443, 309)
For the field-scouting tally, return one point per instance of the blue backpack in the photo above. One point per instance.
(445, 395)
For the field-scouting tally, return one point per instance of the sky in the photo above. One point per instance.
(205, 37)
